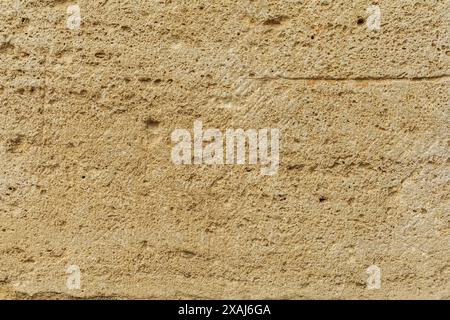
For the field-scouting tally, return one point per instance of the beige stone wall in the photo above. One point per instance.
(361, 100)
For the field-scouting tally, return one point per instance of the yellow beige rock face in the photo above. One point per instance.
(358, 208)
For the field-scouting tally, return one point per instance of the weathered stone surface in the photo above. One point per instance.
(87, 179)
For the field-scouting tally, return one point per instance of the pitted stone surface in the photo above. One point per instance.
(86, 179)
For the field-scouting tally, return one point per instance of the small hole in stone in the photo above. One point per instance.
(151, 123)
(312, 37)
(83, 177)
(360, 20)
(322, 199)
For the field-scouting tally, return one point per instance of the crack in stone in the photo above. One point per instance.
(368, 79)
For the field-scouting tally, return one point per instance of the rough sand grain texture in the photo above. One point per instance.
(87, 178)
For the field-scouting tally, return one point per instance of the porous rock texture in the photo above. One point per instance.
(87, 179)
